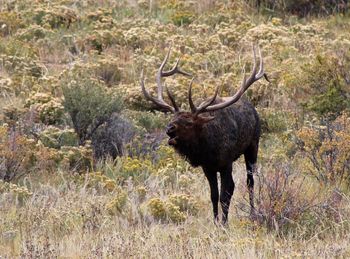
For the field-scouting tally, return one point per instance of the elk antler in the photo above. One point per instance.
(160, 101)
(255, 76)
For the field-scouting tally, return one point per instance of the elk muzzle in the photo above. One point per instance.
(171, 132)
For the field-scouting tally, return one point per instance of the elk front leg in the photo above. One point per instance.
(214, 191)
(227, 188)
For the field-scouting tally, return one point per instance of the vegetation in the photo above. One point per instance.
(85, 169)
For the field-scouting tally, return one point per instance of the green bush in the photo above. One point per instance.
(327, 86)
(88, 103)
(55, 138)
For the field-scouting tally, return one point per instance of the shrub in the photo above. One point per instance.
(174, 213)
(118, 203)
(49, 109)
(149, 121)
(185, 202)
(56, 17)
(146, 145)
(327, 84)
(132, 168)
(53, 137)
(281, 197)
(33, 32)
(274, 121)
(9, 23)
(12, 114)
(98, 181)
(110, 138)
(78, 159)
(327, 150)
(88, 103)
(20, 59)
(108, 71)
(99, 40)
(17, 154)
(181, 12)
(157, 208)
(321, 85)
(175, 208)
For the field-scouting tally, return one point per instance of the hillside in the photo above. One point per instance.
(85, 168)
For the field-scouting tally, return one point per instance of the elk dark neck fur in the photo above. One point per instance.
(223, 139)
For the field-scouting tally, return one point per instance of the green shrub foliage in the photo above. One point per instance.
(328, 87)
(88, 103)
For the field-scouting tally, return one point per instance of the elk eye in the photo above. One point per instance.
(188, 122)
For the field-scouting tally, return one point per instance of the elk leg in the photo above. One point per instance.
(214, 192)
(227, 188)
(250, 161)
(250, 185)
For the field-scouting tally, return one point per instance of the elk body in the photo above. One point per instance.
(215, 134)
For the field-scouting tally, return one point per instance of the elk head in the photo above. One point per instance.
(185, 127)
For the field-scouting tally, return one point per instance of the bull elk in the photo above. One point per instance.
(215, 133)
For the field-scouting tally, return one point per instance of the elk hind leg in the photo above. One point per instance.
(250, 157)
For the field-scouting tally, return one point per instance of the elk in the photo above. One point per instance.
(214, 134)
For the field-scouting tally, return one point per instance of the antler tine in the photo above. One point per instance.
(204, 105)
(175, 70)
(158, 102)
(172, 99)
(254, 76)
(261, 72)
(192, 106)
(209, 102)
(261, 65)
(160, 74)
(170, 72)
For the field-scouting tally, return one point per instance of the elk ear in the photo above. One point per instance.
(204, 119)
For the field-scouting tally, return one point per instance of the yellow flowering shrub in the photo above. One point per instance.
(98, 180)
(175, 208)
(157, 208)
(136, 169)
(118, 203)
(174, 213)
(185, 202)
(50, 109)
(327, 149)
(55, 17)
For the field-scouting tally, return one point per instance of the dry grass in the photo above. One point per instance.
(63, 219)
